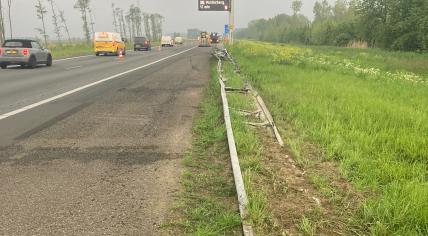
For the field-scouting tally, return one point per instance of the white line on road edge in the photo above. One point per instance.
(72, 58)
(12, 113)
(237, 174)
(74, 67)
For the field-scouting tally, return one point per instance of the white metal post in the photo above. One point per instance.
(232, 22)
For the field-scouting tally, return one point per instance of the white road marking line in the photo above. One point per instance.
(74, 67)
(34, 105)
(72, 58)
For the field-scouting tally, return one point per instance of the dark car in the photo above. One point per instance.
(23, 52)
(215, 38)
(142, 43)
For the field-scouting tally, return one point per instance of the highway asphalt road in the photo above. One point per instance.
(101, 159)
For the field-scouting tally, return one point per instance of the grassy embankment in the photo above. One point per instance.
(365, 110)
(71, 50)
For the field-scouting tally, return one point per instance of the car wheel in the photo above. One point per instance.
(32, 63)
(3, 66)
(97, 54)
(49, 61)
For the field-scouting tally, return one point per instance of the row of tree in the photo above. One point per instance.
(58, 20)
(2, 25)
(132, 23)
(129, 24)
(388, 24)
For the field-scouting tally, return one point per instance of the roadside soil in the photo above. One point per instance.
(294, 194)
(111, 167)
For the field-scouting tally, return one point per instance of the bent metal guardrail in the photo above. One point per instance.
(239, 182)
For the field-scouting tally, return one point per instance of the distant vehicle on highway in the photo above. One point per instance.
(142, 43)
(167, 41)
(179, 40)
(26, 53)
(215, 38)
(109, 43)
(204, 40)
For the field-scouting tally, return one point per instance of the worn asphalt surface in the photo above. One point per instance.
(102, 161)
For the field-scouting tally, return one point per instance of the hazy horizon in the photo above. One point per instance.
(179, 16)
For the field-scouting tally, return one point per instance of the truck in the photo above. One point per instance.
(204, 40)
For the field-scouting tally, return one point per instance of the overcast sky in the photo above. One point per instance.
(179, 14)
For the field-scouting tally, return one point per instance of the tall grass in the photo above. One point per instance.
(358, 44)
(384, 60)
(70, 50)
(375, 128)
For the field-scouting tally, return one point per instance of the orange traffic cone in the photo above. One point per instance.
(121, 57)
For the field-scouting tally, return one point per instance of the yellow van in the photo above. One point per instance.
(109, 43)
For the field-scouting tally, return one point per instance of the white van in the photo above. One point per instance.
(178, 40)
(167, 41)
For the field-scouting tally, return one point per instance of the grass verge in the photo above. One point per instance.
(71, 50)
(372, 127)
(282, 198)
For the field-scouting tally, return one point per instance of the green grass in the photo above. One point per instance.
(250, 152)
(71, 50)
(376, 129)
(385, 60)
(306, 227)
(322, 184)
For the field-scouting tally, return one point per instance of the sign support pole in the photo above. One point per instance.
(232, 21)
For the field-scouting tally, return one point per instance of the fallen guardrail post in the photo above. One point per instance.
(261, 104)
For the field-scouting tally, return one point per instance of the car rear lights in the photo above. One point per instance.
(25, 52)
(1, 51)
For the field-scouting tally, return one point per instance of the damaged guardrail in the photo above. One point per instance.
(237, 174)
(266, 117)
(262, 112)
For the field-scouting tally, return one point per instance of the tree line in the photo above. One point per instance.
(129, 23)
(135, 20)
(387, 24)
(2, 17)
